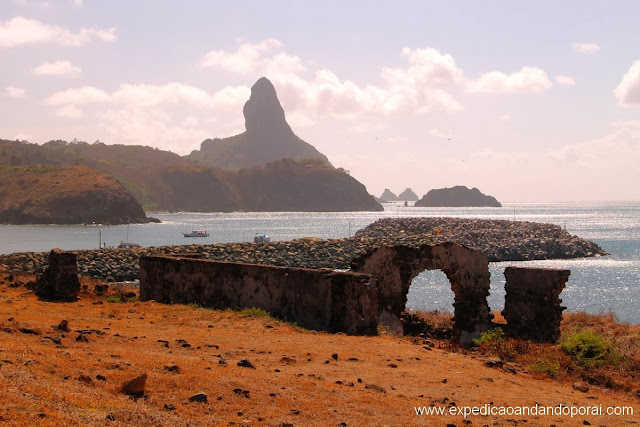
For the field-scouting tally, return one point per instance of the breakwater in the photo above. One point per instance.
(498, 240)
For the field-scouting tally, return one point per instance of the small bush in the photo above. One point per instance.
(550, 367)
(253, 312)
(114, 299)
(491, 336)
(590, 350)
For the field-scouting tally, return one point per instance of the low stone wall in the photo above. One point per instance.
(532, 305)
(316, 299)
(59, 280)
(394, 268)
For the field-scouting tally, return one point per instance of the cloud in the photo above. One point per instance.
(628, 91)
(626, 124)
(439, 134)
(70, 112)
(78, 3)
(565, 80)
(21, 31)
(527, 80)
(505, 117)
(419, 87)
(15, 92)
(250, 58)
(58, 68)
(83, 95)
(586, 48)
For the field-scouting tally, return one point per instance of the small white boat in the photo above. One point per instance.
(196, 233)
(261, 237)
(128, 245)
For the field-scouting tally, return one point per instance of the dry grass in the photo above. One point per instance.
(296, 380)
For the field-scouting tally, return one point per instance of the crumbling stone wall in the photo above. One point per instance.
(318, 299)
(394, 267)
(532, 305)
(59, 281)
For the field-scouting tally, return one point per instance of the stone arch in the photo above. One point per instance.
(394, 267)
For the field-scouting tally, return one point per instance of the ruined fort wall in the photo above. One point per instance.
(316, 299)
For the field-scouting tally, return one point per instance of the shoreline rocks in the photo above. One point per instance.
(498, 240)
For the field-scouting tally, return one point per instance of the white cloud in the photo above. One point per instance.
(628, 91)
(15, 92)
(527, 80)
(20, 31)
(58, 68)
(83, 95)
(143, 95)
(440, 134)
(251, 58)
(505, 117)
(78, 3)
(586, 48)
(565, 80)
(626, 124)
(70, 112)
(145, 126)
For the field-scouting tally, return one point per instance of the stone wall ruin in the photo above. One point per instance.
(394, 268)
(59, 281)
(319, 299)
(373, 293)
(532, 305)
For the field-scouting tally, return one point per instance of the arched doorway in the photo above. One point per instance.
(395, 267)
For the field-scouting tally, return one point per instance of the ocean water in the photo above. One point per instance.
(596, 285)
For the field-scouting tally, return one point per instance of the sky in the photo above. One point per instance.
(529, 101)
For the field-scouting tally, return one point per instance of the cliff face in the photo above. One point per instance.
(268, 136)
(458, 196)
(300, 187)
(64, 195)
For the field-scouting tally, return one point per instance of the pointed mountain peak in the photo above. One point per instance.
(263, 113)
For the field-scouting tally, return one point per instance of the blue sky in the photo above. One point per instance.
(528, 101)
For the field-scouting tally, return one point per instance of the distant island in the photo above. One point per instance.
(267, 169)
(458, 196)
(389, 196)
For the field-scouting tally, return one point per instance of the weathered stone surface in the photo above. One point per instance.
(394, 267)
(532, 307)
(60, 279)
(316, 299)
(134, 386)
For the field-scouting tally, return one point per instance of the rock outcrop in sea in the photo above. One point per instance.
(458, 196)
(388, 196)
(408, 195)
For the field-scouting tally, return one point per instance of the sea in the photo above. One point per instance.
(596, 285)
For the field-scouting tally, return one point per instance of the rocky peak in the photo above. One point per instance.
(263, 113)
(408, 195)
(388, 196)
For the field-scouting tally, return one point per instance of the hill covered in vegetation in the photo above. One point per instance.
(161, 180)
(42, 194)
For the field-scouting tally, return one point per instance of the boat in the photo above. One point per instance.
(261, 237)
(128, 245)
(196, 233)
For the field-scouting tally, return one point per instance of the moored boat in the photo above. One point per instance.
(196, 233)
